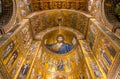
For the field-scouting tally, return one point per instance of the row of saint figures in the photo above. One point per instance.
(49, 67)
(52, 64)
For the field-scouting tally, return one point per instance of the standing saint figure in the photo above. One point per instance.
(60, 47)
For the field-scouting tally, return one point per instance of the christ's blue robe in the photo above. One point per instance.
(63, 49)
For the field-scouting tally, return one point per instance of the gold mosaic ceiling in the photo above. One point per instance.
(59, 4)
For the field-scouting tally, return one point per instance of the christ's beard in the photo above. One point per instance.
(59, 41)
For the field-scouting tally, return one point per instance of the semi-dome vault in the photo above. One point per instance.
(59, 39)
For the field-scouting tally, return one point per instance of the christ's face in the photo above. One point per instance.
(60, 39)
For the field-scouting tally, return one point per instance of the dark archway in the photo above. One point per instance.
(112, 12)
(0, 7)
(6, 11)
